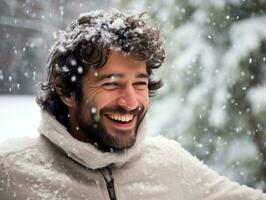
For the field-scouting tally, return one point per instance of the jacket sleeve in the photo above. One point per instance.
(204, 183)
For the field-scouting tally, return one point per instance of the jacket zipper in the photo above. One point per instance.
(110, 183)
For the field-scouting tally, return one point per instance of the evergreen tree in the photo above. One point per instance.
(215, 86)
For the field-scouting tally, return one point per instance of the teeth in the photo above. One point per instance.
(122, 118)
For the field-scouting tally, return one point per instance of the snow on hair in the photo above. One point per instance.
(86, 44)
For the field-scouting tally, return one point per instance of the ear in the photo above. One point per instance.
(69, 101)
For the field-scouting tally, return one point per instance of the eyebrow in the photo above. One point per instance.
(142, 75)
(117, 75)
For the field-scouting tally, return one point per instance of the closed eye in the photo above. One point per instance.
(141, 85)
(110, 85)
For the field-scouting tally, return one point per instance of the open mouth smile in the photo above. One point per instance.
(121, 121)
(120, 118)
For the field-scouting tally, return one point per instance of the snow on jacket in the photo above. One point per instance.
(55, 166)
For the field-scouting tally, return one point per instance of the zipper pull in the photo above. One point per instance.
(110, 184)
(111, 189)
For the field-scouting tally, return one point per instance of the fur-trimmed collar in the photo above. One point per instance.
(85, 153)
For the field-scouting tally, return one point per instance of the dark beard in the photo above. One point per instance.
(97, 133)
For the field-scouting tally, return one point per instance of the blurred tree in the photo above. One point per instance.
(215, 89)
(27, 28)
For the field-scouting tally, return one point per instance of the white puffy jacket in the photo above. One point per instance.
(55, 166)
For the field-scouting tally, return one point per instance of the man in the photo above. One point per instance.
(92, 146)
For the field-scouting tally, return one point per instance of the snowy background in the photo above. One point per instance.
(214, 98)
(19, 117)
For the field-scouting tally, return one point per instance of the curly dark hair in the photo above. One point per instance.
(86, 43)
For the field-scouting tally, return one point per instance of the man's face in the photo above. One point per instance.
(115, 100)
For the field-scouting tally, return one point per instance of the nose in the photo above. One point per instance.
(128, 99)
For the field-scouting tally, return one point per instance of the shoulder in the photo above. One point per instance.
(169, 152)
(168, 160)
(161, 146)
(17, 153)
(17, 145)
(28, 156)
(161, 150)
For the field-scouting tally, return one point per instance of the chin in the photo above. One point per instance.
(119, 144)
(122, 147)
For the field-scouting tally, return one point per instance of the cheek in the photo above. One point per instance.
(93, 99)
(147, 101)
(144, 99)
(104, 99)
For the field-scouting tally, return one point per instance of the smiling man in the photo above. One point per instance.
(114, 101)
(94, 105)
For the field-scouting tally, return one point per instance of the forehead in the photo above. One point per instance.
(117, 63)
